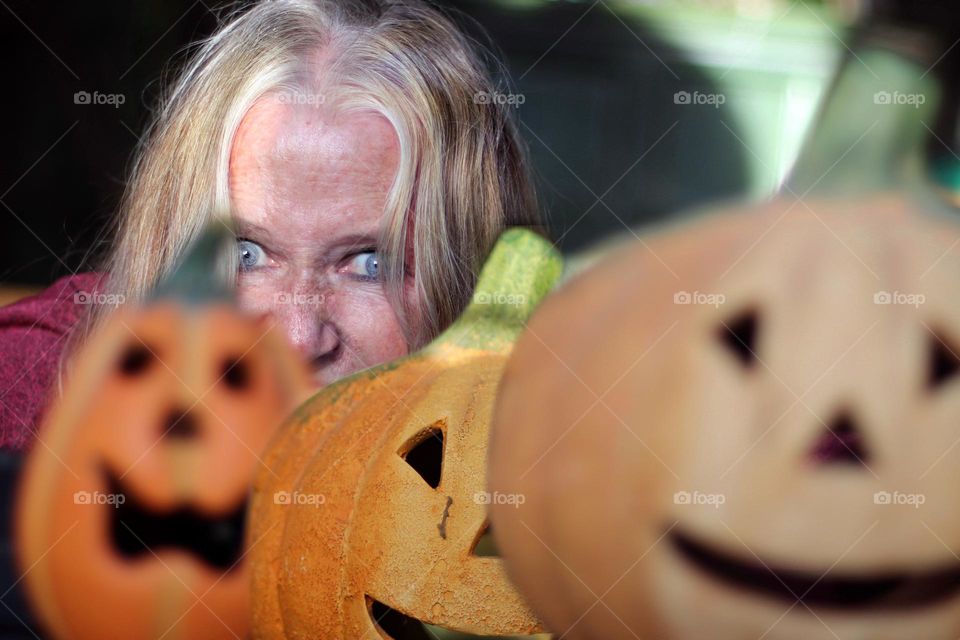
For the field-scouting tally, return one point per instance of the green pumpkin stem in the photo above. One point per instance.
(870, 132)
(198, 278)
(520, 271)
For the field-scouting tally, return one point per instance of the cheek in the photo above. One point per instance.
(255, 295)
(369, 325)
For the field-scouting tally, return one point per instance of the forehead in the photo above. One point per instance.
(305, 160)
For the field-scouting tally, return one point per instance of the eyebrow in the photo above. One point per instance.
(356, 240)
(353, 240)
(246, 229)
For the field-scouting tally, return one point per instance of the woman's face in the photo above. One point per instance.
(309, 189)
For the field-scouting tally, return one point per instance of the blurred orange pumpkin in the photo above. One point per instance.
(131, 511)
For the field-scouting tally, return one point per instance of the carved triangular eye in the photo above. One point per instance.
(841, 443)
(944, 361)
(739, 336)
(424, 452)
(136, 359)
(235, 373)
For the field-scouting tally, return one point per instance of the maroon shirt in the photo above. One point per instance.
(33, 333)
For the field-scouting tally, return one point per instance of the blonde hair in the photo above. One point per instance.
(462, 176)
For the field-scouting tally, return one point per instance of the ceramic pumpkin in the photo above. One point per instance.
(759, 443)
(367, 516)
(132, 505)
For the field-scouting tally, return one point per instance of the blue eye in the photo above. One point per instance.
(365, 265)
(251, 255)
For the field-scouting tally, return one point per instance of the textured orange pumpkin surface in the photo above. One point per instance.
(152, 414)
(370, 504)
(753, 407)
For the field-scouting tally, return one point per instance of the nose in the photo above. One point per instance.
(303, 316)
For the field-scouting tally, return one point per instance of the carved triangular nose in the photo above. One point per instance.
(841, 442)
(180, 425)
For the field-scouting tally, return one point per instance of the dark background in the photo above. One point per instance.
(588, 79)
(598, 119)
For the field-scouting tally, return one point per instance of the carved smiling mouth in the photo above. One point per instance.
(891, 590)
(398, 626)
(136, 530)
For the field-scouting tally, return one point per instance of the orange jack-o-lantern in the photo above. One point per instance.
(367, 517)
(131, 513)
(760, 444)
